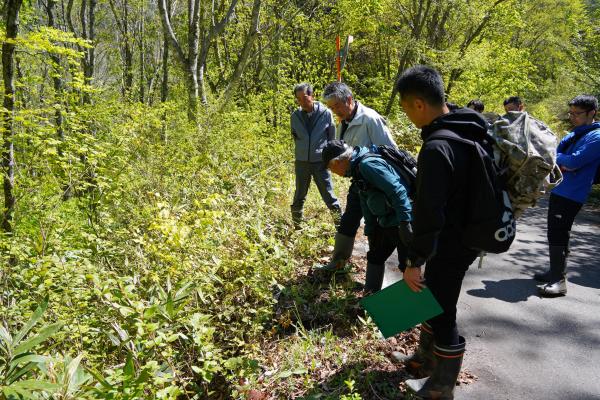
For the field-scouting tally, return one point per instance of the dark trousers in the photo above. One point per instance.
(561, 214)
(352, 215)
(316, 170)
(382, 243)
(444, 276)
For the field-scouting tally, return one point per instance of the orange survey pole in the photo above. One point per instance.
(338, 58)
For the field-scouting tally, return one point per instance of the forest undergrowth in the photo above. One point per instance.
(174, 272)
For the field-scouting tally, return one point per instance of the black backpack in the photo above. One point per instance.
(402, 161)
(490, 225)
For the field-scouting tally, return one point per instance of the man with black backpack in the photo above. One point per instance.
(384, 202)
(442, 205)
(359, 126)
(578, 156)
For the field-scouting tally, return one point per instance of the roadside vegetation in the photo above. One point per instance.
(146, 246)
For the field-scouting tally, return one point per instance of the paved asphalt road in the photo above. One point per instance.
(522, 346)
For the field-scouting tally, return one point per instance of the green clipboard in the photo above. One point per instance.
(397, 308)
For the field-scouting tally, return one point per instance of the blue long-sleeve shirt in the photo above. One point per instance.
(384, 200)
(579, 162)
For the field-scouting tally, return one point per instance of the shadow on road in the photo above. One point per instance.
(509, 290)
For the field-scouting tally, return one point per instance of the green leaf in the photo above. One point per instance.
(98, 376)
(70, 377)
(129, 369)
(35, 384)
(285, 374)
(35, 317)
(5, 337)
(27, 358)
(169, 306)
(15, 373)
(39, 338)
(14, 393)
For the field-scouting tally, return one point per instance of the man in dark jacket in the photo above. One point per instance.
(384, 202)
(439, 212)
(312, 126)
(578, 156)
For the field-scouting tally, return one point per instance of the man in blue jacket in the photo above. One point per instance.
(312, 126)
(578, 156)
(359, 126)
(384, 202)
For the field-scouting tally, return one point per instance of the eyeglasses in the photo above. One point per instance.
(576, 113)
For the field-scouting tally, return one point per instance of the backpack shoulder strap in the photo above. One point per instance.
(359, 159)
(449, 135)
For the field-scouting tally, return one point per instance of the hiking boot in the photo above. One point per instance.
(420, 363)
(554, 289)
(374, 277)
(440, 385)
(342, 250)
(558, 265)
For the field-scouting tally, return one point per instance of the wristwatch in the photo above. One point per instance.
(411, 264)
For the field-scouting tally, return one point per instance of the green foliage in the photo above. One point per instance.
(17, 361)
(165, 248)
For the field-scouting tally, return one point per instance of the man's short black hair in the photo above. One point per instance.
(585, 102)
(476, 105)
(514, 100)
(424, 82)
(452, 106)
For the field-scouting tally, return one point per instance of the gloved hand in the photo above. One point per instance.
(405, 232)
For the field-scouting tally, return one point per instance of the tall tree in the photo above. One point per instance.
(87, 19)
(195, 57)
(242, 61)
(121, 14)
(11, 17)
(57, 80)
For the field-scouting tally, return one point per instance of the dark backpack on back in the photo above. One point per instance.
(402, 161)
(490, 225)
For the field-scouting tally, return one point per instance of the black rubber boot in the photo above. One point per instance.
(557, 283)
(440, 385)
(558, 259)
(374, 277)
(297, 217)
(342, 250)
(420, 363)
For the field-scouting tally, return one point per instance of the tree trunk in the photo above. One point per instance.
(164, 88)
(142, 57)
(128, 68)
(405, 61)
(253, 33)
(12, 7)
(56, 79)
(87, 15)
(190, 61)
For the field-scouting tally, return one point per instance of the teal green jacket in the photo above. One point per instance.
(383, 195)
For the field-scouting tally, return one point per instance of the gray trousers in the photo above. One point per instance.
(304, 171)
